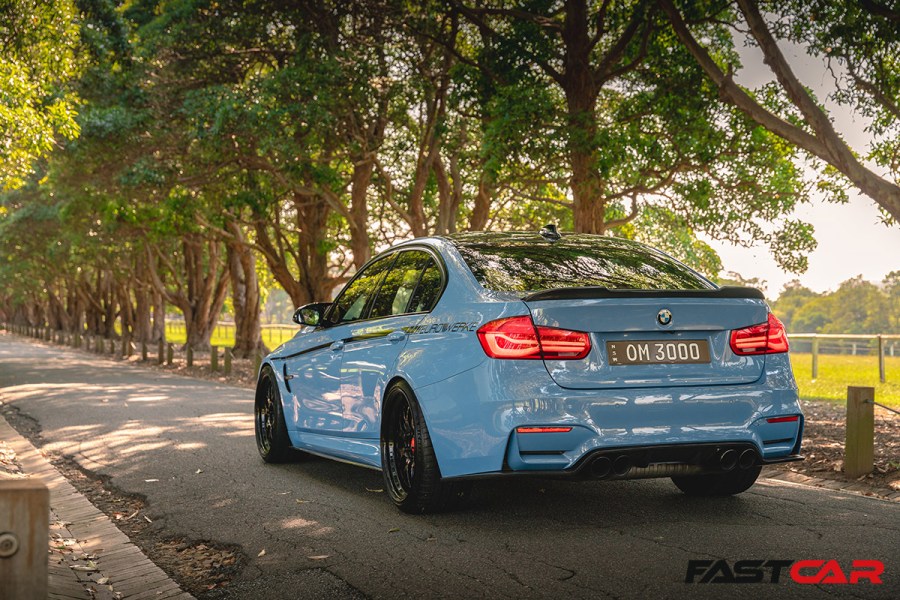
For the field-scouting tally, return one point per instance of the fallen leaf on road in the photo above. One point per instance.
(150, 480)
(394, 530)
(146, 518)
(378, 491)
(103, 580)
(319, 557)
(82, 568)
(198, 471)
(299, 501)
(262, 552)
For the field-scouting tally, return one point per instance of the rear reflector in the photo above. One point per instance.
(783, 419)
(517, 337)
(765, 338)
(543, 429)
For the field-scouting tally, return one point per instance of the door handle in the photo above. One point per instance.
(337, 346)
(396, 336)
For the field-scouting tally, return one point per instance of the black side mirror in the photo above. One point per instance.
(311, 314)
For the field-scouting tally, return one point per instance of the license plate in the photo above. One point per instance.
(656, 352)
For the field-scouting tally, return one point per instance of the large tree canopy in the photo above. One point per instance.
(226, 143)
(38, 40)
(858, 42)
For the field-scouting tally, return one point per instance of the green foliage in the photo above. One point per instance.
(38, 42)
(856, 307)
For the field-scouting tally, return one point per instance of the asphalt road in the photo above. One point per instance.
(522, 539)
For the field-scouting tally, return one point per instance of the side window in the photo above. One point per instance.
(400, 283)
(351, 304)
(426, 294)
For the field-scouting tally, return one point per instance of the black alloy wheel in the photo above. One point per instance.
(411, 473)
(271, 432)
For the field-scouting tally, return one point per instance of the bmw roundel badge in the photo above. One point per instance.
(664, 317)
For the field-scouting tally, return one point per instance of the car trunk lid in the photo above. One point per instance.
(652, 338)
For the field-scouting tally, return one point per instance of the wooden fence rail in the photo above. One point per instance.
(815, 337)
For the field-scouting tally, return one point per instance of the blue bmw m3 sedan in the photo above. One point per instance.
(448, 359)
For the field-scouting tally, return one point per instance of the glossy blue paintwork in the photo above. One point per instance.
(472, 404)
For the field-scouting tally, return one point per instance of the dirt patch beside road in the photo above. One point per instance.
(823, 447)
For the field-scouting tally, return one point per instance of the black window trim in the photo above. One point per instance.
(438, 259)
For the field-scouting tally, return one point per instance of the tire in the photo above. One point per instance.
(411, 473)
(718, 484)
(272, 439)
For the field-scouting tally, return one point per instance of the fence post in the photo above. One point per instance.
(24, 536)
(815, 358)
(161, 352)
(859, 448)
(227, 360)
(170, 353)
(214, 358)
(881, 374)
(189, 355)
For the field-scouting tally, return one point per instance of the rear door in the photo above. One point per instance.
(407, 293)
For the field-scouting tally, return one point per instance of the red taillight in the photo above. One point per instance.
(517, 337)
(783, 419)
(765, 338)
(510, 338)
(562, 344)
(543, 429)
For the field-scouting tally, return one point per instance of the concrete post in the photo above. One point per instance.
(214, 358)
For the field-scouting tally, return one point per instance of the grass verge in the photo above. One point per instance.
(837, 371)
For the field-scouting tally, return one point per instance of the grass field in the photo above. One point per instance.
(223, 335)
(837, 371)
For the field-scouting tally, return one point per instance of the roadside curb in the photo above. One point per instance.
(81, 536)
(795, 478)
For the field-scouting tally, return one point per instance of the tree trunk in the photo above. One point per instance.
(359, 212)
(581, 90)
(158, 328)
(244, 295)
(282, 251)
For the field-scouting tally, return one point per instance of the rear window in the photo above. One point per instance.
(526, 262)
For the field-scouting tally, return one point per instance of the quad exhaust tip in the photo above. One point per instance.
(621, 465)
(728, 460)
(748, 459)
(601, 467)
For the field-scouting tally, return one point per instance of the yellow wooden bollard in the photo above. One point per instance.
(859, 448)
(24, 533)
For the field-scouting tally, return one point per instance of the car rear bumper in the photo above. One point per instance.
(473, 419)
(643, 462)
